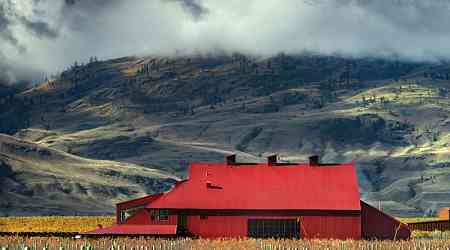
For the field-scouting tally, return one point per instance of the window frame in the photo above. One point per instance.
(161, 214)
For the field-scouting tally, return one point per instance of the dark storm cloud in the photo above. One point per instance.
(194, 7)
(39, 28)
(9, 18)
(7, 73)
(70, 2)
(10, 21)
(5, 32)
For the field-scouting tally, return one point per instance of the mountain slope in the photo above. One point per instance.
(390, 117)
(40, 180)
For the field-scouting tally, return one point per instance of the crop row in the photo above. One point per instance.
(43, 243)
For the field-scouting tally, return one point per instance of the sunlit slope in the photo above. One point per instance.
(39, 180)
(160, 113)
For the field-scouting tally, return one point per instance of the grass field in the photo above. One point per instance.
(418, 219)
(54, 223)
(39, 243)
(421, 240)
(431, 235)
(84, 223)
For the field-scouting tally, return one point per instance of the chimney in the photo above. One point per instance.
(231, 159)
(314, 160)
(272, 160)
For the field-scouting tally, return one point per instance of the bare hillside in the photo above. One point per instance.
(40, 180)
(391, 117)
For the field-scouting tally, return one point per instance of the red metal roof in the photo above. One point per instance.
(263, 186)
(125, 229)
(138, 201)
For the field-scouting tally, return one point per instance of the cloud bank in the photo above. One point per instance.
(43, 36)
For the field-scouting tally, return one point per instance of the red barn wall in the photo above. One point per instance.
(218, 226)
(143, 217)
(332, 226)
(234, 224)
(378, 225)
(172, 220)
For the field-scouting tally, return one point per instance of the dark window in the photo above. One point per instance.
(203, 217)
(163, 214)
(268, 228)
(159, 214)
(128, 212)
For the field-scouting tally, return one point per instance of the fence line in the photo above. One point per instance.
(441, 225)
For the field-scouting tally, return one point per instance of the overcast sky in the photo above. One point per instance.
(45, 36)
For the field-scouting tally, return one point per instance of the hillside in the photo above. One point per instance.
(160, 113)
(40, 180)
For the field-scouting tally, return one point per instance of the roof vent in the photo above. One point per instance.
(231, 159)
(210, 185)
(314, 160)
(272, 160)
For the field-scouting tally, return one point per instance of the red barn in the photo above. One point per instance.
(272, 199)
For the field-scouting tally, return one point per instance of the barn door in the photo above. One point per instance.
(273, 228)
(182, 224)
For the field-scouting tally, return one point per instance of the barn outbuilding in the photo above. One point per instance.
(272, 199)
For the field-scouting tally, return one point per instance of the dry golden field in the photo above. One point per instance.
(421, 240)
(418, 219)
(18, 243)
(81, 223)
(54, 223)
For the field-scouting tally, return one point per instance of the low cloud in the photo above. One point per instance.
(48, 35)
